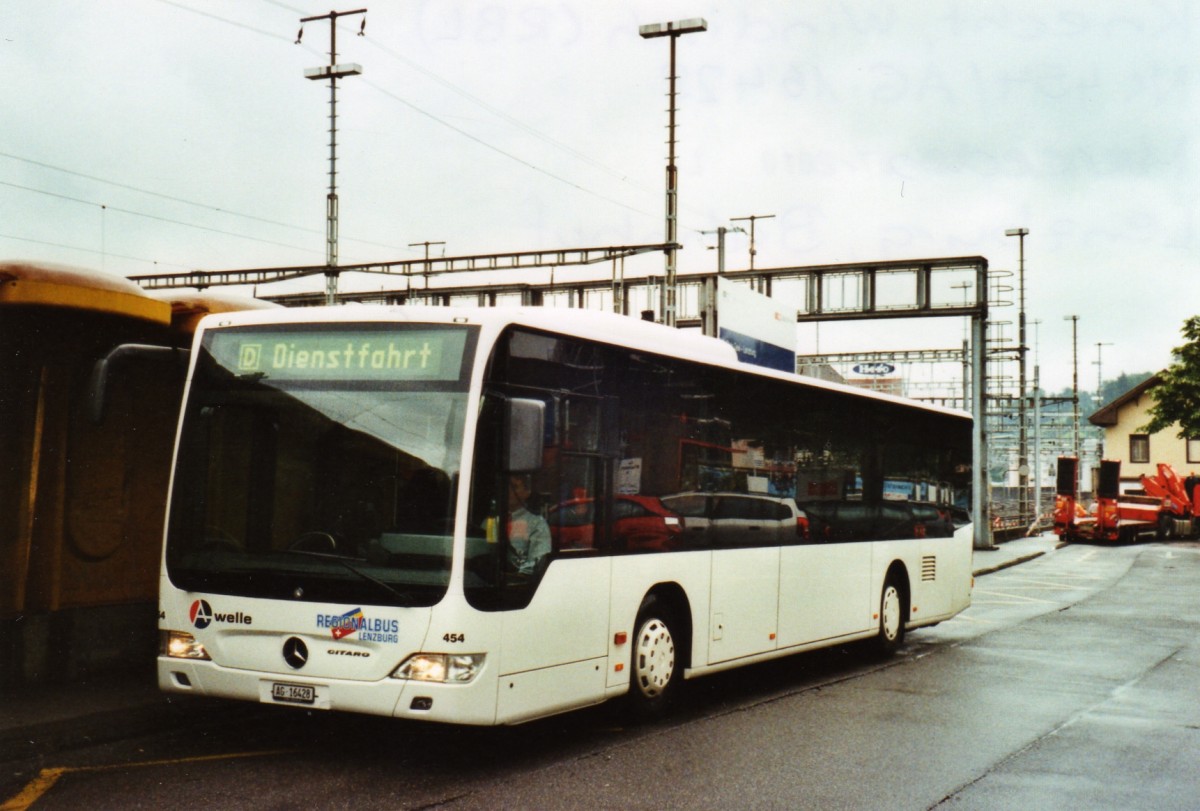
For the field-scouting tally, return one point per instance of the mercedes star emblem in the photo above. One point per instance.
(295, 652)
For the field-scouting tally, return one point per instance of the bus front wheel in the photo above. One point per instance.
(656, 670)
(891, 619)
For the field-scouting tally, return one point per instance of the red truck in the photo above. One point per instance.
(1170, 507)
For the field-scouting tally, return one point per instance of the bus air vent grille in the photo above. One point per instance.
(929, 568)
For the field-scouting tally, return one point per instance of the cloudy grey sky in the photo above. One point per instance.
(148, 136)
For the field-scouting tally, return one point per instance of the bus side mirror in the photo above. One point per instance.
(524, 432)
(103, 370)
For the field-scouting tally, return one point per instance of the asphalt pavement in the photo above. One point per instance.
(42, 719)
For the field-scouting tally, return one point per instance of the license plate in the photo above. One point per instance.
(293, 693)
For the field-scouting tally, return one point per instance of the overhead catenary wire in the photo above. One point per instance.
(158, 217)
(378, 88)
(148, 216)
(82, 249)
(460, 131)
(498, 150)
(152, 193)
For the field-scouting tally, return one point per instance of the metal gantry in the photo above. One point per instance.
(408, 268)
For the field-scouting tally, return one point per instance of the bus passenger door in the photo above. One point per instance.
(553, 651)
(745, 602)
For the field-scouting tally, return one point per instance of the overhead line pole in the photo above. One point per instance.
(752, 218)
(984, 537)
(427, 243)
(1074, 319)
(709, 293)
(1100, 388)
(1022, 411)
(1100, 371)
(332, 72)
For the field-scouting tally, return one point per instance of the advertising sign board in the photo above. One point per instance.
(762, 331)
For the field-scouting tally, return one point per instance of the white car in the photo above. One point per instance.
(738, 519)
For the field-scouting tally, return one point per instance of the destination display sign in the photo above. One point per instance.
(341, 354)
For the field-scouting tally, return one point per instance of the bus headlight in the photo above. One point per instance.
(180, 645)
(457, 668)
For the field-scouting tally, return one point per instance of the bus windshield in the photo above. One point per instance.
(320, 463)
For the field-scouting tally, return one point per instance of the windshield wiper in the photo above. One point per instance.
(403, 596)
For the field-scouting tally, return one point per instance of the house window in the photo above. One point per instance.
(1193, 450)
(1139, 448)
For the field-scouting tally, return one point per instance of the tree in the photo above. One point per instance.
(1124, 382)
(1177, 398)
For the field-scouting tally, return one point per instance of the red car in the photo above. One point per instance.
(639, 524)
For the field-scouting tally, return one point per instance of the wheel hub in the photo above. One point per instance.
(891, 613)
(654, 658)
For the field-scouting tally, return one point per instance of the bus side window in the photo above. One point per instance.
(576, 513)
(573, 522)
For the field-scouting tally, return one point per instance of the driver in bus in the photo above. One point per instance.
(528, 532)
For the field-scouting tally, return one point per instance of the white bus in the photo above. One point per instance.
(458, 515)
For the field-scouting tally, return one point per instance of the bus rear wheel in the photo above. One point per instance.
(891, 619)
(655, 672)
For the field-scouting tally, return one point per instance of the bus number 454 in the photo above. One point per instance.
(454, 638)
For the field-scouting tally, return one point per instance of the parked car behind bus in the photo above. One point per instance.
(639, 524)
(739, 519)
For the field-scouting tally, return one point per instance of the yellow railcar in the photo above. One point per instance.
(82, 504)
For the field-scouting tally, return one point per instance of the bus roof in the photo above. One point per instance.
(62, 286)
(603, 327)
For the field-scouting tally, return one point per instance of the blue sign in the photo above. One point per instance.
(874, 369)
(760, 353)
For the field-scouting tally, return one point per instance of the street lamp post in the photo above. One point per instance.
(1022, 430)
(671, 30)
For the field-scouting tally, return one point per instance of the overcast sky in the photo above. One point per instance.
(146, 136)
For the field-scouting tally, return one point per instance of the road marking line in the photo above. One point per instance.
(1014, 599)
(968, 618)
(36, 788)
(33, 790)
